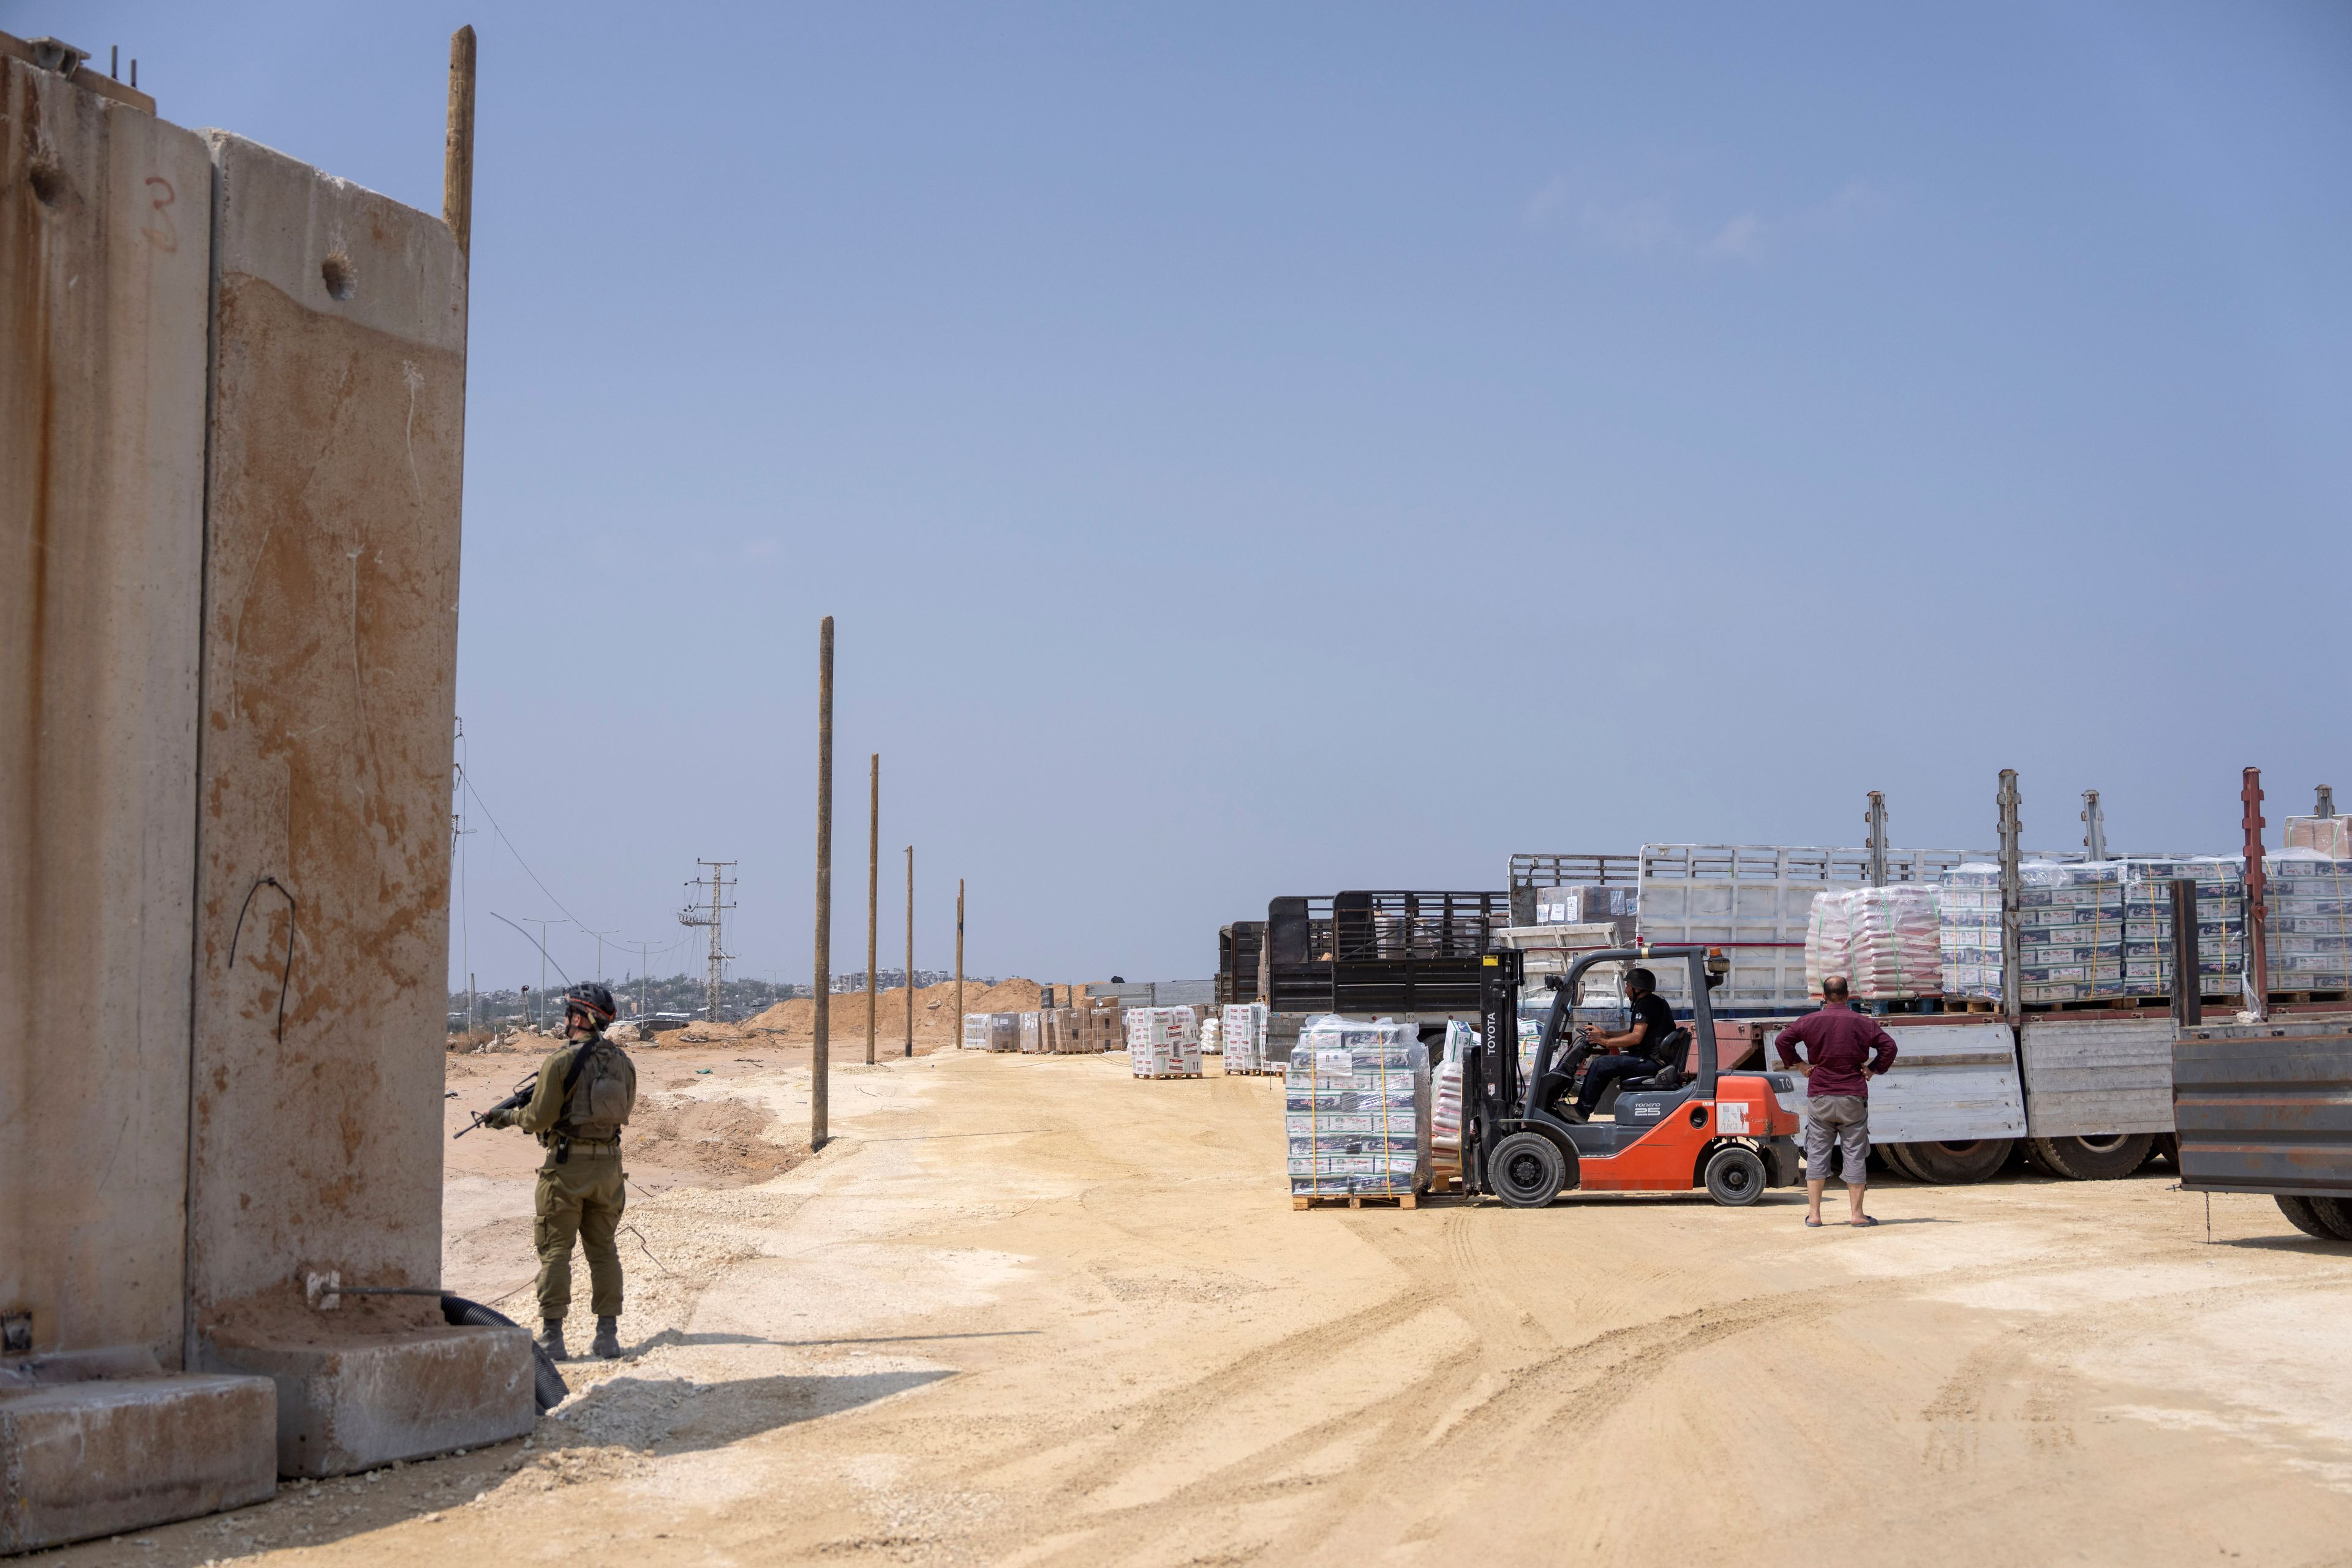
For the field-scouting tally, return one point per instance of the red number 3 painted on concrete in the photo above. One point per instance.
(162, 233)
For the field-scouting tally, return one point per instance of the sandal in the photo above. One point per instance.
(1813, 1224)
(1865, 1220)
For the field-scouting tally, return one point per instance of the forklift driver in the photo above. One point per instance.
(1633, 1054)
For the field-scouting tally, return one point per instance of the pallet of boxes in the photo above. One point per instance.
(1243, 1030)
(1102, 1026)
(992, 1031)
(1356, 1104)
(1163, 1042)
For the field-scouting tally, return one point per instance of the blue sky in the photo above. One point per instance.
(1252, 450)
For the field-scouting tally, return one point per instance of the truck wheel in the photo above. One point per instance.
(1957, 1162)
(2336, 1214)
(2298, 1211)
(1526, 1169)
(1899, 1161)
(2093, 1158)
(1735, 1177)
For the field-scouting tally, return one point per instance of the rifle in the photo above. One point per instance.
(515, 1101)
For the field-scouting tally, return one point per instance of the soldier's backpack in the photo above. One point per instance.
(599, 1092)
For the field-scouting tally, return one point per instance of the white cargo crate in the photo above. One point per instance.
(1753, 901)
(2086, 1077)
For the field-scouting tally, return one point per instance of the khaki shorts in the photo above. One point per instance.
(1845, 1119)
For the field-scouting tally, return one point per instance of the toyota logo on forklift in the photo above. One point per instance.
(1725, 1132)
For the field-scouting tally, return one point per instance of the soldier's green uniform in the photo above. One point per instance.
(581, 1187)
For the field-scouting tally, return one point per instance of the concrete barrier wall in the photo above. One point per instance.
(104, 266)
(329, 660)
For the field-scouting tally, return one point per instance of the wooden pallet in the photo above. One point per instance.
(1352, 1200)
(2307, 996)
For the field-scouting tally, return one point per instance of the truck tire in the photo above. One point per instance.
(2093, 1159)
(1527, 1170)
(1957, 1162)
(2299, 1211)
(2336, 1214)
(1735, 1177)
(1899, 1161)
(548, 1388)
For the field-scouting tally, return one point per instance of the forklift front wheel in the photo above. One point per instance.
(1527, 1171)
(1735, 1177)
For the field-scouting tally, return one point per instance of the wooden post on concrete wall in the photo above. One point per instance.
(819, 1054)
(910, 952)
(873, 901)
(458, 148)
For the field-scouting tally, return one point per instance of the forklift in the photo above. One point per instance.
(1725, 1132)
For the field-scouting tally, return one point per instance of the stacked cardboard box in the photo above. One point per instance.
(2308, 920)
(1245, 1037)
(1033, 1033)
(992, 1031)
(1356, 1109)
(1102, 1026)
(1163, 1042)
(2221, 924)
(2328, 838)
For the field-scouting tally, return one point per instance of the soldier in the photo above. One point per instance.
(585, 1093)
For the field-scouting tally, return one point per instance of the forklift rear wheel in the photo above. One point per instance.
(1957, 1162)
(2300, 1213)
(2100, 1159)
(1527, 1171)
(1735, 1177)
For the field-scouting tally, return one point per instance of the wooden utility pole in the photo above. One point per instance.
(458, 149)
(910, 952)
(959, 1022)
(873, 901)
(819, 1054)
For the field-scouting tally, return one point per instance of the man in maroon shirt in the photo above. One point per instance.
(1843, 1051)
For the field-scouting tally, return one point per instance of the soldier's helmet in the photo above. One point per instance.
(591, 999)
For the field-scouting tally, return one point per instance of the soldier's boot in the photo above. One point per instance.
(551, 1338)
(608, 1339)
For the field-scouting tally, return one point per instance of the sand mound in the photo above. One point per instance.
(723, 1138)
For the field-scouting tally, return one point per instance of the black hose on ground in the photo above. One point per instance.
(548, 1387)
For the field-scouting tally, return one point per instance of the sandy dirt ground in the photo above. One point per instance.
(1027, 1309)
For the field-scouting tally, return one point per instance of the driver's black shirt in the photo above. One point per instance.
(1658, 1021)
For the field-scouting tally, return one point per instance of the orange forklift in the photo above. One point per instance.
(1673, 1131)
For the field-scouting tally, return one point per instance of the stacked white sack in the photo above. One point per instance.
(1163, 1042)
(1245, 1037)
(1829, 928)
(1446, 1095)
(1212, 1031)
(1356, 1109)
(1893, 945)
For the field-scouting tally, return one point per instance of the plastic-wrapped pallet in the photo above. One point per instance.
(1005, 1031)
(1356, 1109)
(1893, 946)
(2221, 924)
(1033, 1033)
(2307, 916)
(1163, 1042)
(1967, 928)
(2070, 930)
(1245, 1037)
(1213, 1034)
(1829, 941)
(975, 1032)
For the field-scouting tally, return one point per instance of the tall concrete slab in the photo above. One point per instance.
(104, 268)
(329, 687)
